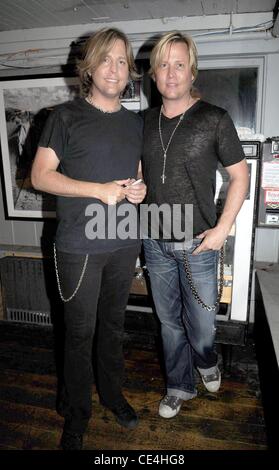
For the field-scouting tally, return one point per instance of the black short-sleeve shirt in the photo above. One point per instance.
(91, 146)
(205, 137)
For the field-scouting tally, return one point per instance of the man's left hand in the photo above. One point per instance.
(136, 193)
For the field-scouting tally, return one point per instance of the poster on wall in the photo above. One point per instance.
(24, 108)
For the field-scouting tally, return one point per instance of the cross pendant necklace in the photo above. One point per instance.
(165, 149)
(163, 176)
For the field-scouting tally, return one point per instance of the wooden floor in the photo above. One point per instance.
(229, 420)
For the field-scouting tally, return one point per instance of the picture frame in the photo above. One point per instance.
(24, 108)
(130, 98)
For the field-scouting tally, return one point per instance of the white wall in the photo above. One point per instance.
(267, 240)
(50, 48)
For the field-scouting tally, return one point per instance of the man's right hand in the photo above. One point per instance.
(113, 192)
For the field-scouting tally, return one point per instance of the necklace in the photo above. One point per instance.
(89, 100)
(165, 149)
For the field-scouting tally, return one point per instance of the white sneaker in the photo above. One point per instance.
(212, 382)
(170, 406)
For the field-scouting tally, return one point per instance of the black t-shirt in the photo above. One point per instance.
(97, 147)
(205, 136)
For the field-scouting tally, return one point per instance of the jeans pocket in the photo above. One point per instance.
(195, 243)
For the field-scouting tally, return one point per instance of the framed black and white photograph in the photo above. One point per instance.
(130, 98)
(24, 108)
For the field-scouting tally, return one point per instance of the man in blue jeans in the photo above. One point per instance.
(183, 141)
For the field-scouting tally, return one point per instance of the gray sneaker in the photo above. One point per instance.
(170, 406)
(212, 382)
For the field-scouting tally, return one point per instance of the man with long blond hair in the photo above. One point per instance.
(89, 152)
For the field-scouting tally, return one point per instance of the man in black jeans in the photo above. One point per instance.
(89, 155)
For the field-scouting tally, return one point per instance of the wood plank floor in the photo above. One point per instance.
(229, 420)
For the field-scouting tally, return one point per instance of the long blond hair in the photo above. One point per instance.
(168, 39)
(96, 49)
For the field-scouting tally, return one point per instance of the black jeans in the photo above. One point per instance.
(103, 295)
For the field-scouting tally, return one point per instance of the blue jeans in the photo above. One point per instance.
(188, 330)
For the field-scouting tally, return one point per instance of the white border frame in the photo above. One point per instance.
(242, 251)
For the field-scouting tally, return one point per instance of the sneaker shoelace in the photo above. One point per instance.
(172, 402)
(211, 378)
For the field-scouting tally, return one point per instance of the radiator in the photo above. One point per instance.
(28, 316)
(28, 289)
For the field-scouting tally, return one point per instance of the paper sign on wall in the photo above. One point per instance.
(270, 175)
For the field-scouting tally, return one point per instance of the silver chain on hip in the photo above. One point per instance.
(58, 280)
(193, 288)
